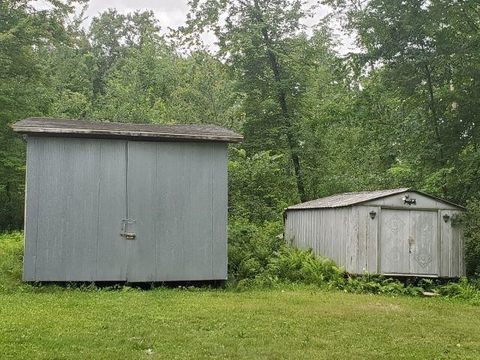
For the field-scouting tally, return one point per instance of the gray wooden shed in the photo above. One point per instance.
(398, 232)
(125, 202)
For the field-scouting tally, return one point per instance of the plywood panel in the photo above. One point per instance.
(32, 198)
(80, 162)
(219, 183)
(144, 207)
(75, 205)
(111, 247)
(394, 235)
(52, 211)
(424, 245)
(180, 224)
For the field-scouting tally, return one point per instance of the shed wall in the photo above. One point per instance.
(422, 202)
(351, 238)
(328, 232)
(77, 197)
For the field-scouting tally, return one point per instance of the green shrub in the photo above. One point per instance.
(250, 248)
(259, 186)
(293, 265)
(378, 284)
(11, 256)
(471, 222)
(463, 289)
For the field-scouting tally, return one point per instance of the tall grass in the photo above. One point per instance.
(11, 256)
(259, 258)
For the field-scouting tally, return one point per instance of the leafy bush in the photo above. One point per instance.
(259, 258)
(250, 248)
(293, 265)
(259, 186)
(471, 222)
(463, 289)
(11, 255)
(378, 284)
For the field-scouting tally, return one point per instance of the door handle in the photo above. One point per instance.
(128, 236)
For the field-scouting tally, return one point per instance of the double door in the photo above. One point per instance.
(118, 210)
(409, 242)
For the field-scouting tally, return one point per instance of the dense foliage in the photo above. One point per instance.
(259, 259)
(402, 110)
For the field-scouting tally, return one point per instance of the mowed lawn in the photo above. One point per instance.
(273, 324)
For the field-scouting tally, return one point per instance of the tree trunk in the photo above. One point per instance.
(433, 111)
(282, 100)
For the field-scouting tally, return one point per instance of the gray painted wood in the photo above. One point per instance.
(171, 193)
(79, 190)
(73, 210)
(111, 247)
(219, 183)
(451, 246)
(367, 239)
(394, 234)
(422, 202)
(50, 263)
(325, 231)
(32, 198)
(400, 239)
(423, 231)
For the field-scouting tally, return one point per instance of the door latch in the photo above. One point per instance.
(411, 241)
(126, 224)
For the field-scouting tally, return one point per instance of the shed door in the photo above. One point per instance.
(176, 194)
(409, 242)
(75, 198)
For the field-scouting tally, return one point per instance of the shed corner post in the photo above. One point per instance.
(379, 239)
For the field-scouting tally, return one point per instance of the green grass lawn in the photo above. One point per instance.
(180, 324)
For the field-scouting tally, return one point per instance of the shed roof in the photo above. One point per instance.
(353, 198)
(81, 128)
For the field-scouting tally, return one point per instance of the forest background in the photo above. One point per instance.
(400, 111)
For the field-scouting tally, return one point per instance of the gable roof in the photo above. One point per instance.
(81, 128)
(353, 198)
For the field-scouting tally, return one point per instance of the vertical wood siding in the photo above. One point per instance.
(79, 190)
(326, 232)
(177, 196)
(360, 244)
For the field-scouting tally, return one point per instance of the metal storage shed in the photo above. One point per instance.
(393, 232)
(125, 202)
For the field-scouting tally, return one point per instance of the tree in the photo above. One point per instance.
(24, 90)
(427, 53)
(255, 41)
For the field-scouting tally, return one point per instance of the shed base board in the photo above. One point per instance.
(144, 285)
(405, 276)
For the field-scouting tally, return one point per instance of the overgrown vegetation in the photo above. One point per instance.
(400, 110)
(259, 259)
(471, 222)
(11, 258)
